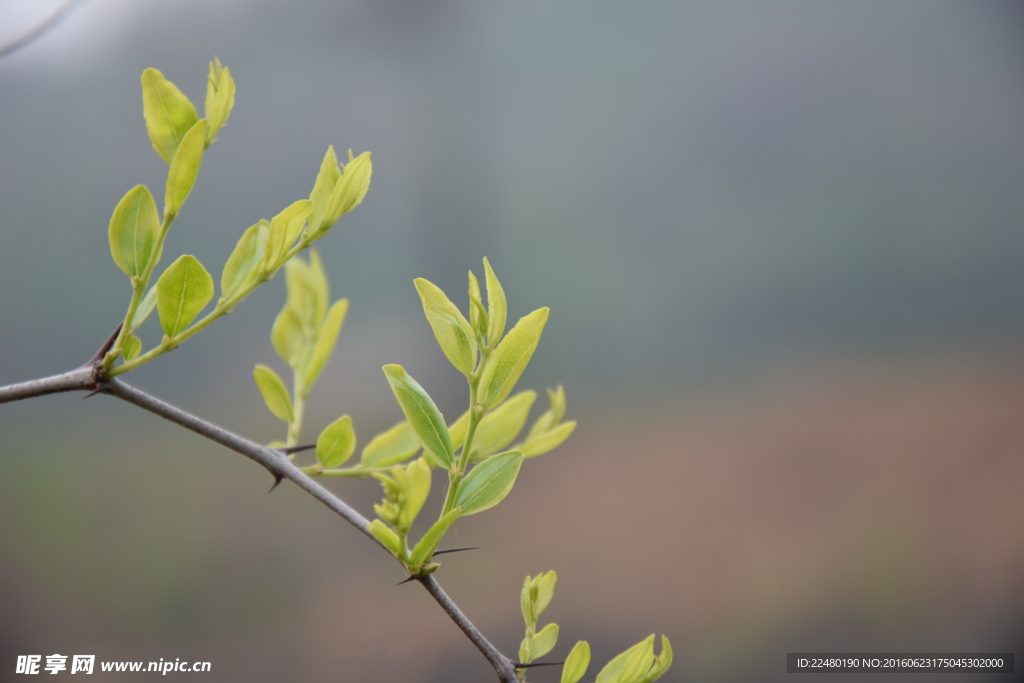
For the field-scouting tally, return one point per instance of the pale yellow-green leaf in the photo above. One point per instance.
(188, 159)
(243, 264)
(287, 338)
(132, 347)
(418, 489)
(500, 426)
(551, 417)
(526, 604)
(336, 442)
(391, 447)
(424, 550)
(182, 292)
(168, 113)
(661, 663)
(326, 179)
(634, 658)
(422, 414)
(388, 538)
(284, 229)
(146, 307)
(477, 312)
(545, 591)
(488, 483)
(510, 358)
(220, 98)
(326, 340)
(497, 308)
(453, 332)
(133, 231)
(577, 663)
(349, 189)
(549, 441)
(303, 296)
(321, 289)
(543, 642)
(274, 393)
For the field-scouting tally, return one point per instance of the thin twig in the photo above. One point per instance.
(274, 461)
(37, 30)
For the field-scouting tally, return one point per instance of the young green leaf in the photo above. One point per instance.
(422, 414)
(303, 296)
(287, 338)
(284, 229)
(417, 475)
(549, 441)
(541, 643)
(507, 362)
(629, 667)
(497, 308)
(182, 291)
(576, 663)
(326, 179)
(388, 538)
(453, 332)
(133, 231)
(220, 98)
(552, 416)
(168, 113)
(188, 159)
(488, 483)
(336, 442)
(661, 663)
(316, 280)
(526, 604)
(146, 307)
(477, 312)
(132, 347)
(500, 426)
(326, 340)
(348, 191)
(391, 447)
(274, 393)
(424, 550)
(243, 264)
(545, 584)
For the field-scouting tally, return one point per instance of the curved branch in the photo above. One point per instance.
(37, 30)
(276, 462)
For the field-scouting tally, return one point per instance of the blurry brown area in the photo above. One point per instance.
(868, 506)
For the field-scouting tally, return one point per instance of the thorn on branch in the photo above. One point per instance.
(297, 449)
(277, 480)
(455, 550)
(107, 345)
(98, 388)
(411, 578)
(520, 665)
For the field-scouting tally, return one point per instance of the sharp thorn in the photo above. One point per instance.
(100, 387)
(520, 665)
(455, 550)
(98, 356)
(277, 480)
(296, 449)
(411, 578)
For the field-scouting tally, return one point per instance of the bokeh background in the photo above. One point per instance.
(782, 244)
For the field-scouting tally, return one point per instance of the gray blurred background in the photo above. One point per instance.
(782, 244)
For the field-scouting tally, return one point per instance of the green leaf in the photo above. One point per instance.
(545, 584)
(548, 441)
(477, 312)
(303, 295)
(348, 191)
(424, 550)
(388, 538)
(661, 663)
(326, 340)
(132, 347)
(422, 414)
(284, 230)
(526, 604)
(316, 280)
(243, 264)
(168, 113)
(220, 98)
(391, 447)
(188, 159)
(417, 475)
(336, 442)
(457, 430)
(274, 393)
(624, 667)
(543, 642)
(497, 308)
(507, 362)
(287, 338)
(577, 663)
(133, 231)
(500, 426)
(552, 416)
(453, 332)
(326, 179)
(182, 292)
(146, 307)
(488, 483)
